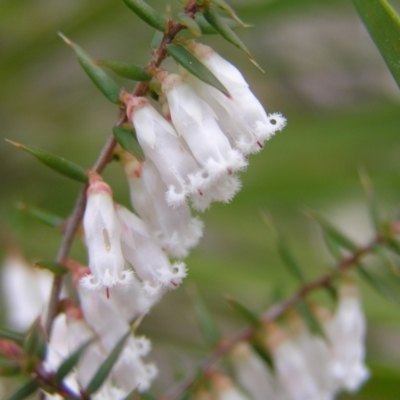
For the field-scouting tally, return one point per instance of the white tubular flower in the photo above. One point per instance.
(242, 115)
(146, 256)
(161, 144)
(79, 333)
(253, 374)
(130, 371)
(102, 236)
(176, 230)
(294, 373)
(346, 333)
(195, 121)
(23, 306)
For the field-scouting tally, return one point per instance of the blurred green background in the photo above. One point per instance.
(322, 71)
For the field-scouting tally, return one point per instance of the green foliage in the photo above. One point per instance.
(125, 70)
(103, 81)
(227, 33)
(126, 138)
(188, 61)
(383, 24)
(52, 266)
(25, 391)
(58, 164)
(105, 368)
(206, 322)
(46, 217)
(147, 13)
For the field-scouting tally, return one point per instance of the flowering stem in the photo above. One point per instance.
(270, 315)
(104, 158)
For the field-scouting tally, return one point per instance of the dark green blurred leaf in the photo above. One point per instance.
(59, 164)
(13, 336)
(190, 24)
(244, 312)
(206, 323)
(147, 13)
(207, 29)
(105, 368)
(309, 318)
(126, 70)
(104, 82)
(41, 215)
(52, 266)
(333, 232)
(379, 285)
(372, 204)
(35, 343)
(263, 353)
(66, 367)
(383, 254)
(333, 246)
(383, 25)
(26, 390)
(227, 33)
(188, 61)
(288, 259)
(125, 136)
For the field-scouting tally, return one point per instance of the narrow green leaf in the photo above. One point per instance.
(15, 337)
(372, 204)
(105, 368)
(26, 390)
(309, 318)
(35, 343)
(244, 312)
(188, 61)
(126, 70)
(156, 39)
(227, 33)
(207, 325)
(333, 247)
(382, 252)
(41, 215)
(59, 164)
(54, 267)
(148, 14)
(189, 23)
(288, 259)
(378, 284)
(263, 353)
(207, 29)
(383, 24)
(126, 137)
(104, 82)
(223, 5)
(333, 232)
(66, 367)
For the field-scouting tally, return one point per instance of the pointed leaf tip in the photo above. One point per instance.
(104, 82)
(188, 61)
(227, 33)
(59, 164)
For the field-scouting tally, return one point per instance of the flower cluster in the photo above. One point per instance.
(308, 367)
(192, 155)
